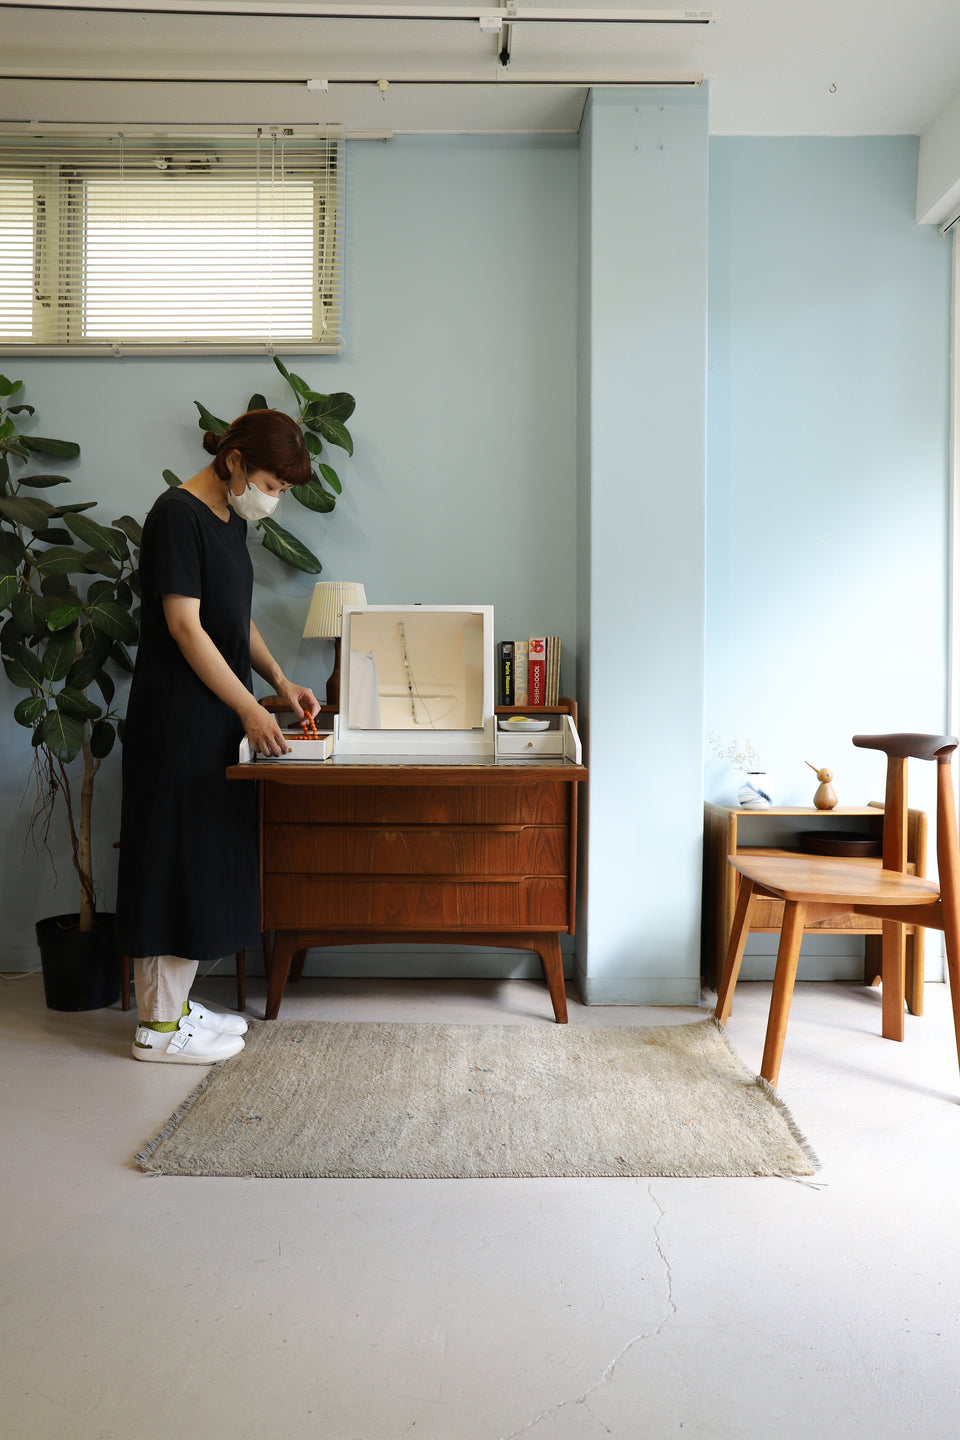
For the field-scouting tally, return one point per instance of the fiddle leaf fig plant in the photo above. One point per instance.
(69, 609)
(322, 418)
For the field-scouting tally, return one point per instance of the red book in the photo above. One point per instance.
(537, 672)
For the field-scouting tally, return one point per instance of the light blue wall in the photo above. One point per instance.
(828, 466)
(643, 201)
(461, 324)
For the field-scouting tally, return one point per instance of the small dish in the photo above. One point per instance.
(523, 723)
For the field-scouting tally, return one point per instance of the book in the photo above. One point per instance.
(537, 671)
(505, 677)
(520, 695)
(553, 669)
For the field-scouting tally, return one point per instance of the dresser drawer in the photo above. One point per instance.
(541, 804)
(516, 851)
(322, 902)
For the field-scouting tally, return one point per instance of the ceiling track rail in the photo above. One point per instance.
(510, 13)
(501, 77)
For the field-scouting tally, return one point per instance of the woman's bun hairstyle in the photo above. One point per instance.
(266, 440)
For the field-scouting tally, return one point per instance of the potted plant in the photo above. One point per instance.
(69, 592)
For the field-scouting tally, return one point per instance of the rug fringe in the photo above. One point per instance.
(769, 1091)
(142, 1156)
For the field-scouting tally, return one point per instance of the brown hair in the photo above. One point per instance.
(267, 440)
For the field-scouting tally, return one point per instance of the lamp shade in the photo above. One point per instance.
(325, 616)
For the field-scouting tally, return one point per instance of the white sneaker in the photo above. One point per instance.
(189, 1044)
(213, 1020)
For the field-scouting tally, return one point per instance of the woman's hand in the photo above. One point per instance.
(262, 730)
(300, 698)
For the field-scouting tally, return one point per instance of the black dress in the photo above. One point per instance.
(188, 875)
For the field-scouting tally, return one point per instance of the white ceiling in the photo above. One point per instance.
(775, 67)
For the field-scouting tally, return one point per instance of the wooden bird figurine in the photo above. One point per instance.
(825, 797)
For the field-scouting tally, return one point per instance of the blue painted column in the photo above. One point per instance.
(641, 502)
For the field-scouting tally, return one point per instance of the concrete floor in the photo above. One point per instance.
(482, 1310)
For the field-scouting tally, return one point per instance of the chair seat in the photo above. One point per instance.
(827, 882)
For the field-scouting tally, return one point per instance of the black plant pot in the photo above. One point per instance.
(80, 971)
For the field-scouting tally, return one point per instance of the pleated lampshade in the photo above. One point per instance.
(325, 616)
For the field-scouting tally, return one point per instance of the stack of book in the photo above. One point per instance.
(528, 671)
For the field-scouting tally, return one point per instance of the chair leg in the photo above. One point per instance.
(892, 969)
(914, 966)
(951, 945)
(738, 939)
(788, 957)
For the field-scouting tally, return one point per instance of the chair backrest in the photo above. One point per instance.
(898, 749)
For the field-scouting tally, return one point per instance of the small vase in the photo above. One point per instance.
(756, 791)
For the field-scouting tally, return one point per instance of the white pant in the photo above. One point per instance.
(162, 984)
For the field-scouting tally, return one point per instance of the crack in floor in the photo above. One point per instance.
(670, 1311)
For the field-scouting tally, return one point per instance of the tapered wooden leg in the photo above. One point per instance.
(951, 941)
(738, 939)
(914, 968)
(284, 946)
(548, 947)
(788, 957)
(892, 968)
(241, 980)
(872, 960)
(296, 969)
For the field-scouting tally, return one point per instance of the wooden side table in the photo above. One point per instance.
(729, 830)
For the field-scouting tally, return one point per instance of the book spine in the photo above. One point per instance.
(537, 671)
(553, 669)
(520, 695)
(506, 685)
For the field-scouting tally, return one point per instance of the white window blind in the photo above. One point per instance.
(125, 243)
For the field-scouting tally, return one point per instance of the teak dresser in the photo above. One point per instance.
(357, 850)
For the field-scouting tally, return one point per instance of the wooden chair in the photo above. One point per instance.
(814, 888)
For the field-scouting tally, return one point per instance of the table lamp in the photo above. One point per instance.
(325, 620)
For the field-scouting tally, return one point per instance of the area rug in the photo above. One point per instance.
(318, 1099)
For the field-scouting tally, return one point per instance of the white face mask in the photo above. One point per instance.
(252, 504)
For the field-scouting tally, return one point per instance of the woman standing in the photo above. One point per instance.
(188, 884)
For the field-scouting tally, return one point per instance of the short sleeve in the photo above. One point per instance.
(175, 550)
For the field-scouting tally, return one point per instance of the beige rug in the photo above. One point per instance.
(322, 1099)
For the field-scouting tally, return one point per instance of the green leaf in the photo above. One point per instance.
(313, 443)
(331, 477)
(120, 656)
(60, 655)
(29, 710)
(102, 739)
(336, 433)
(61, 733)
(63, 449)
(97, 563)
(64, 616)
(281, 367)
(111, 618)
(210, 422)
(99, 537)
(30, 611)
(281, 543)
(19, 409)
(130, 528)
(25, 510)
(107, 687)
(10, 635)
(313, 496)
(57, 589)
(53, 535)
(332, 407)
(75, 703)
(23, 667)
(171, 479)
(94, 643)
(9, 387)
(83, 671)
(11, 551)
(100, 590)
(8, 589)
(257, 402)
(41, 482)
(62, 560)
(60, 510)
(301, 387)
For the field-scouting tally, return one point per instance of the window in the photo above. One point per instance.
(159, 244)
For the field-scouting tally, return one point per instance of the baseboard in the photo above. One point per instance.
(664, 990)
